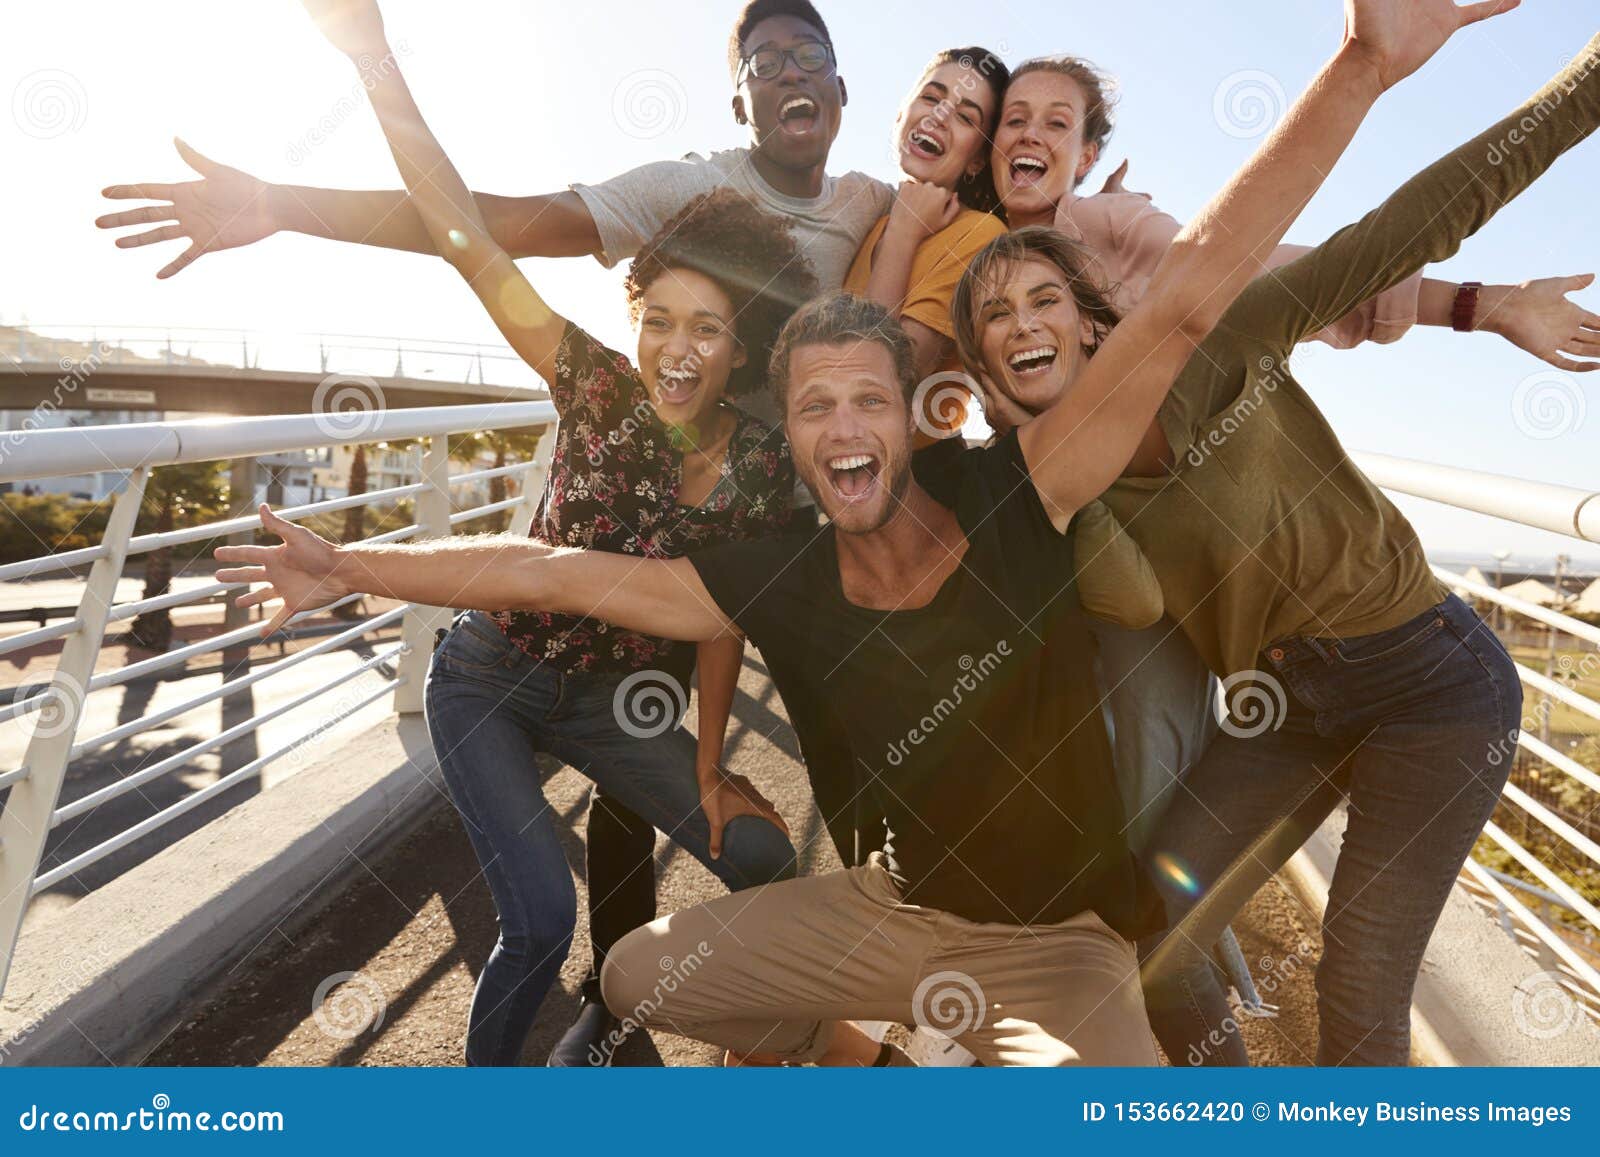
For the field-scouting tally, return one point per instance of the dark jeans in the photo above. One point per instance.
(492, 710)
(1417, 726)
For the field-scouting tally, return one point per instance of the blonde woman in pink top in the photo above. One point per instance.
(1055, 122)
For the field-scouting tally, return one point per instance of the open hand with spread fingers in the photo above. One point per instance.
(1538, 316)
(1400, 36)
(301, 572)
(224, 209)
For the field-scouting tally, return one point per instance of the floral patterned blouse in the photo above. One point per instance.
(613, 485)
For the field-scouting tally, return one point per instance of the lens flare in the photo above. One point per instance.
(1177, 873)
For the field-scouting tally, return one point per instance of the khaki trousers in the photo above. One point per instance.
(769, 970)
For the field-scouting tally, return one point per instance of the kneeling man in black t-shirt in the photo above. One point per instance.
(944, 633)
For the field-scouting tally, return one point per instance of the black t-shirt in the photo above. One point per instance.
(974, 721)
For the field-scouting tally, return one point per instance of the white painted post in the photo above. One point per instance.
(25, 826)
(533, 480)
(420, 623)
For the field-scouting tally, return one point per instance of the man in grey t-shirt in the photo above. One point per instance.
(787, 91)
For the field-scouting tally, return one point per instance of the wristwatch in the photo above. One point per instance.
(1465, 309)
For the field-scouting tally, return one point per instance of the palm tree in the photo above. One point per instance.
(503, 444)
(171, 493)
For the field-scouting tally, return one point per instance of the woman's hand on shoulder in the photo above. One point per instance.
(920, 210)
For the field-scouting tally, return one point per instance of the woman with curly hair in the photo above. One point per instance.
(652, 460)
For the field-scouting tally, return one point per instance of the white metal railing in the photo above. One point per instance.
(55, 710)
(1574, 512)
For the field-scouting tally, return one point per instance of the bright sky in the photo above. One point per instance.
(528, 97)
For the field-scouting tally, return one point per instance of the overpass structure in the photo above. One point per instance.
(149, 940)
(149, 370)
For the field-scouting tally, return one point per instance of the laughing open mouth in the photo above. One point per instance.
(1028, 170)
(852, 475)
(1038, 359)
(798, 114)
(675, 386)
(924, 145)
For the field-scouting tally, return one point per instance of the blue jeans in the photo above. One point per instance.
(492, 710)
(1417, 726)
(1160, 712)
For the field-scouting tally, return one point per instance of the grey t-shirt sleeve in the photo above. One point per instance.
(629, 208)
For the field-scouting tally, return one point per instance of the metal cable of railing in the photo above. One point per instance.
(135, 449)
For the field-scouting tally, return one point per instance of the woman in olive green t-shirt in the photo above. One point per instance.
(1349, 667)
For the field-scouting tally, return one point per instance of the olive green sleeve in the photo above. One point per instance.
(1115, 580)
(1427, 218)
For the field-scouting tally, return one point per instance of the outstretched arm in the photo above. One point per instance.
(487, 573)
(439, 195)
(227, 208)
(1428, 218)
(1081, 444)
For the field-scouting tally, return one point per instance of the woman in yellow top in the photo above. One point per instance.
(942, 216)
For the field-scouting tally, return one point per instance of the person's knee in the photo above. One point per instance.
(535, 937)
(755, 851)
(627, 977)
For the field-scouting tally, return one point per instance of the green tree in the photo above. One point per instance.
(505, 445)
(174, 496)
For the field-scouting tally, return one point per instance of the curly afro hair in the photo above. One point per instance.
(750, 254)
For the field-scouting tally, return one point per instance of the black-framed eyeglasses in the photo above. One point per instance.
(766, 63)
